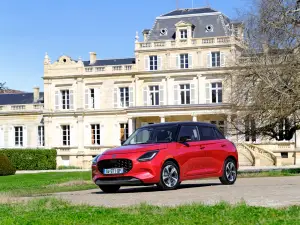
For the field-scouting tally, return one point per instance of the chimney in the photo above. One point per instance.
(36, 94)
(93, 57)
(145, 33)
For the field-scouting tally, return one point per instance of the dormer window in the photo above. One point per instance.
(209, 28)
(183, 34)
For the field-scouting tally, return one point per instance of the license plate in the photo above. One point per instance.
(113, 171)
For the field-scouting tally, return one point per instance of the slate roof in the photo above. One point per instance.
(110, 62)
(21, 98)
(190, 11)
(193, 16)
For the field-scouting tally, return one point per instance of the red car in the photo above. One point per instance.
(166, 154)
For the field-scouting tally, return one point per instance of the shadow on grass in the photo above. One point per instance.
(154, 188)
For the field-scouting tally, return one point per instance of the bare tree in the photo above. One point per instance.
(265, 90)
(2, 86)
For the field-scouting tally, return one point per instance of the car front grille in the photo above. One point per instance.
(115, 163)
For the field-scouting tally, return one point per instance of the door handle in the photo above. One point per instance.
(223, 146)
(202, 147)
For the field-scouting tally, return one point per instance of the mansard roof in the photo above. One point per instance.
(201, 18)
(19, 98)
(179, 12)
(110, 62)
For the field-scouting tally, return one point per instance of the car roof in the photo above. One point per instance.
(179, 123)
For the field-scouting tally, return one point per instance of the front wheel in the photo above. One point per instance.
(109, 188)
(169, 178)
(229, 172)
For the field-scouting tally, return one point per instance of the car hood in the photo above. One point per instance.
(127, 149)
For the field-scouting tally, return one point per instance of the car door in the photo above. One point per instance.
(213, 148)
(190, 155)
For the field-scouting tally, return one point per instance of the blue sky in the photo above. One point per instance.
(75, 27)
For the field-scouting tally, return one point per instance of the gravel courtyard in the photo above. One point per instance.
(269, 192)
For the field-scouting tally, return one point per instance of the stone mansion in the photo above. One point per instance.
(88, 106)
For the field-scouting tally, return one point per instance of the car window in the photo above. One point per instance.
(219, 134)
(141, 137)
(189, 131)
(207, 133)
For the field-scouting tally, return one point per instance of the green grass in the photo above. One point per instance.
(51, 211)
(42, 183)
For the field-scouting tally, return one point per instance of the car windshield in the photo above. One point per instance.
(147, 135)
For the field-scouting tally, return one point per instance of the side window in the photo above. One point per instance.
(190, 132)
(219, 134)
(141, 137)
(207, 133)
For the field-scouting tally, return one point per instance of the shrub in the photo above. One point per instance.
(68, 168)
(6, 167)
(32, 159)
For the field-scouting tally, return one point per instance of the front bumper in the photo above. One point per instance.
(142, 173)
(123, 181)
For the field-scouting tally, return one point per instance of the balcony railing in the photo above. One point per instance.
(186, 43)
(21, 108)
(110, 69)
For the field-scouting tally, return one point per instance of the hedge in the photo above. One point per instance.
(6, 167)
(31, 159)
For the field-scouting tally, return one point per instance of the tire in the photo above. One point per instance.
(229, 172)
(110, 188)
(169, 176)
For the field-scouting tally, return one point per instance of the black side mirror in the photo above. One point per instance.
(185, 139)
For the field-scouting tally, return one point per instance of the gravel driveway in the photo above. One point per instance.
(271, 192)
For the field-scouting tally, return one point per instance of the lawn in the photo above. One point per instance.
(42, 183)
(51, 211)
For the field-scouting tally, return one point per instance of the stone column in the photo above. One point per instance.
(130, 126)
(80, 94)
(80, 133)
(162, 119)
(195, 118)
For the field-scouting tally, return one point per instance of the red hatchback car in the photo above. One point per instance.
(166, 154)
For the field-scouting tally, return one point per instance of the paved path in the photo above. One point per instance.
(270, 192)
(241, 169)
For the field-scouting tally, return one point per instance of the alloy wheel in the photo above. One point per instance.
(230, 171)
(170, 176)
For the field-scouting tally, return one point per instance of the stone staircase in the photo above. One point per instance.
(252, 155)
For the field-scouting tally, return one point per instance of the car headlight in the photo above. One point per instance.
(148, 156)
(94, 162)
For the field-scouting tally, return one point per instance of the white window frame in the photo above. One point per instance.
(41, 135)
(125, 104)
(152, 93)
(186, 89)
(67, 93)
(19, 142)
(183, 34)
(217, 89)
(68, 134)
(217, 55)
(95, 133)
(126, 131)
(152, 60)
(185, 58)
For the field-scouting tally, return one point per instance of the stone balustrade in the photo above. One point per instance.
(204, 42)
(21, 108)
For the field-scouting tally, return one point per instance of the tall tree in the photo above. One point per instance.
(265, 91)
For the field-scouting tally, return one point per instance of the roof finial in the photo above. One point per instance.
(47, 59)
(137, 36)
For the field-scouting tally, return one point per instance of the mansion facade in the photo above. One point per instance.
(176, 74)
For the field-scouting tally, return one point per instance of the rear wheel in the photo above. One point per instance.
(169, 177)
(229, 172)
(109, 188)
